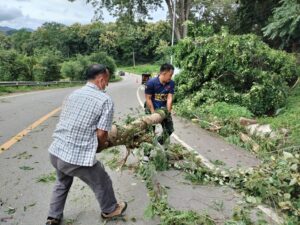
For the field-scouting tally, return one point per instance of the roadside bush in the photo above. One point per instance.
(103, 58)
(71, 70)
(226, 111)
(234, 69)
(47, 67)
(14, 66)
(75, 69)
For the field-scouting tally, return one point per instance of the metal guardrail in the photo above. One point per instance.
(35, 83)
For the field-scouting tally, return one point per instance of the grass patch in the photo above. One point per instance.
(288, 117)
(276, 181)
(227, 111)
(22, 155)
(10, 210)
(47, 178)
(218, 163)
(9, 90)
(139, 69)
(29, 206)
(26, 168)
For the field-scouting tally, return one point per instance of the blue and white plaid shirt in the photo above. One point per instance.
(83, 112)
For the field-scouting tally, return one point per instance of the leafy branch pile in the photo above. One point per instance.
(276, 182)
(158, 195)
(240, 70)
(160, 160)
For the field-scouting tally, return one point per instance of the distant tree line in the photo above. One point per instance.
(278, 21)
(55, 51)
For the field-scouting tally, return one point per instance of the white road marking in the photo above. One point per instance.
(204, 160)
(138, 97)
(33, 92)
(27, 93)
(269, 212)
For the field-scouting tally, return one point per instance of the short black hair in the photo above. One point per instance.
(94, 70)
(166, 67)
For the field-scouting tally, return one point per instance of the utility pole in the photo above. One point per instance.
(133, 59)
(173, 28)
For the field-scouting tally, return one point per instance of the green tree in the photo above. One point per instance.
(236, 69)
(19, 40)
(108, 42)
(14, 66)
(122, 41)
(5, 41)
(72, 70)
(93, 33)
(140, 10)
(24, 67)
(75, 69)
(47, 67)
(252, 16)
(215, 13)
(153, 35)
(74, 40)
(49, 35)
(103, 58)
(285, 24)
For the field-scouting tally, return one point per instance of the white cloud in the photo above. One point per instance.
(33, 13)
(7, 14)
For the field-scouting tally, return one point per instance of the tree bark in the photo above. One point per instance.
(171, 10)
(183, 8)
(133, 134)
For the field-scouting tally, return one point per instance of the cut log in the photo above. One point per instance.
(246, 139)
(133, 134)
(245, 121)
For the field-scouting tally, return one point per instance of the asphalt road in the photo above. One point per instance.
(18, 111)
(24, 200)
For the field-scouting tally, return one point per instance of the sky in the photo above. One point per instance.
(33, 13)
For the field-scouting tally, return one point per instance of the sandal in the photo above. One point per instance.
(121, 207)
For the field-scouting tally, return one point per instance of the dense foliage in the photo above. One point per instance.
(275, 182)
(234, 69)
(15, 66)
(252, 16)
(285, 24)
(56, 51)
(75, 69)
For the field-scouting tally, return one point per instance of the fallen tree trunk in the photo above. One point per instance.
(133, 134)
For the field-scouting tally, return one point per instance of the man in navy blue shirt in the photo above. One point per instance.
(159, 94)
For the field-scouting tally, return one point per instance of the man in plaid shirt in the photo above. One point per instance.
(84, 123)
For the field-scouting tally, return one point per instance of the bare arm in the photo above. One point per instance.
(169, 102)
(102, 139)
(149, 103)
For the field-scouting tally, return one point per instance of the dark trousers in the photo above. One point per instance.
(167, 126)
(95, 177)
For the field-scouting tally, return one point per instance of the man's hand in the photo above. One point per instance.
(169, 102)
(102, 139)
(149, 103)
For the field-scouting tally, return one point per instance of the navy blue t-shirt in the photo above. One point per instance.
(159, 91)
